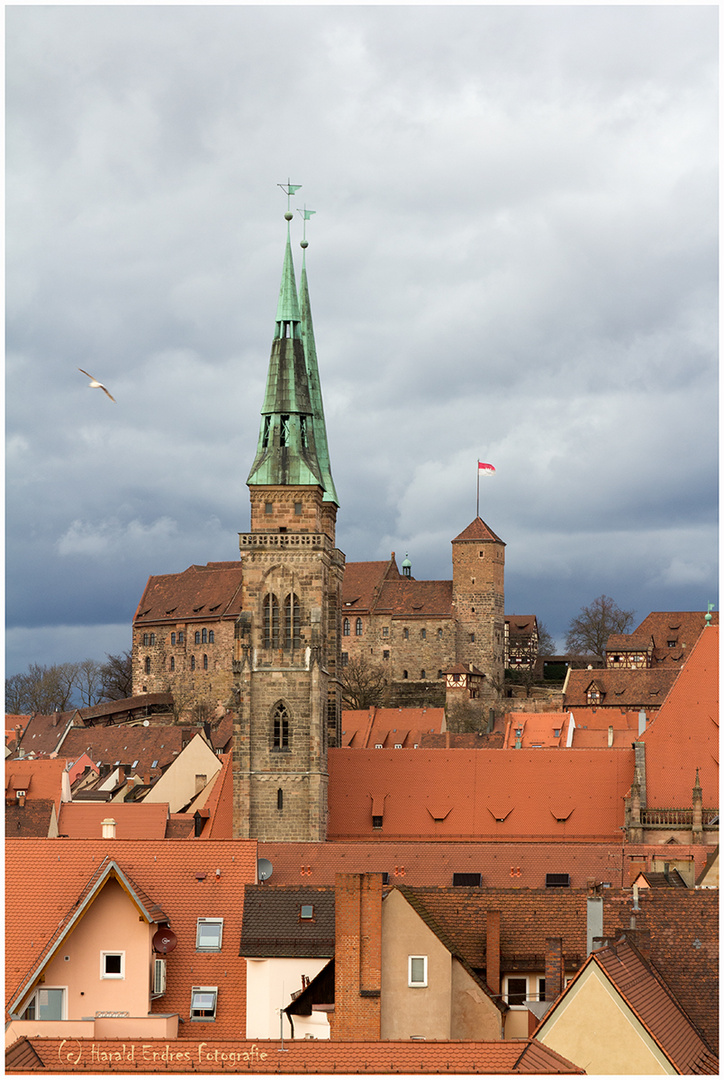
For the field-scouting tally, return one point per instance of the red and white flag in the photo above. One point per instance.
(483, 467)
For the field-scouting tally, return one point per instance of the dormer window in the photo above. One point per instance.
(208, 935)
(306, 912)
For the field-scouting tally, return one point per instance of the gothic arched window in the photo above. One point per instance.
(206, 662)
(292, 622)
(147, 665)
(204, 636)
(193, 663)
(345, 627)
(211, 637)
(197, 638)
(271, 621)
(280, 726)
(358, 628)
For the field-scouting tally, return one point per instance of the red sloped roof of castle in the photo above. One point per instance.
(491, 794)
(409, 597)
(684, 735)
(361, 579)
(478, 530)
(200, 592)
(366, 727)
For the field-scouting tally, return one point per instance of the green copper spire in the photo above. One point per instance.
(286, 451)
(315, 389)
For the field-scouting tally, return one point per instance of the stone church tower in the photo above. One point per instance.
(286, 649)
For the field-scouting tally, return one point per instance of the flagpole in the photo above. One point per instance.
(477, 503)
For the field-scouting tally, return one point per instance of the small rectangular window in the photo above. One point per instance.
(203, 1002)
(468, 879)
(208, 935)
(385, 654)
(112, 965)
(385, 631)
(417, 971)
(376, 821)
(306, 911)
(558, 881)
(298, 509)
(517, 991)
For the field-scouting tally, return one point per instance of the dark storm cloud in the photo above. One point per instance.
(514, 257)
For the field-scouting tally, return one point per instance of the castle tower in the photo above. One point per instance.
(286, 649)
(478, 558)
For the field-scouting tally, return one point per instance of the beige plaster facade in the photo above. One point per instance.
(450, 1006)
(594, 1028)
(185, 777)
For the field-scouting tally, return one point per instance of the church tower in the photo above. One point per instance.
(286, 649)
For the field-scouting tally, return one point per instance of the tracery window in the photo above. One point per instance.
(280, 727)
(292, 622)
(345, 627)
(271, 621)
(358, 628)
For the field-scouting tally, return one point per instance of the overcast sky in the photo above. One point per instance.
(513, 258)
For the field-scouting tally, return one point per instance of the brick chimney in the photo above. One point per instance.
(357, 956)
(554, 967)
(492, 951)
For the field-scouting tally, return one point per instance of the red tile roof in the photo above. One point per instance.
(35, 818)
(366, 727)
(415, 599)
(681, 627)
(43, 732)
(198, 593)
(478, 530)
(107, 745)
(134, 821)
(623, 688)
(363, 579)
(44, 879)
(503, 864)
(495, 794)
(684, 736)
(305, 1056)
(654, 1005)
(40, 779)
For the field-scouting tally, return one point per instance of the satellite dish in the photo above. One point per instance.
(264, 869)
(164, 940)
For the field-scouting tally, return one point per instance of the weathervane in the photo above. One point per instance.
(306, 215)
(289, 189)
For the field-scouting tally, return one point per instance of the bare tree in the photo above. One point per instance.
(42, 689)
(589, 631)
(546, 644)
(117, 677)
(88, 682)
(363, 684)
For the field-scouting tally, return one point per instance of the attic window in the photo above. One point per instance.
(417, 971)
(671, 644)
(208, 935)
(377, 821)
(468, 879)
(112, 965)
(306, 912)
(558, 881)
(203, 1002)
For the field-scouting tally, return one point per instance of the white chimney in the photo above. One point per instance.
(108, 826)
(642, 722)
(610, 735)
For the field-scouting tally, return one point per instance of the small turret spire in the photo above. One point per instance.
(315, 388)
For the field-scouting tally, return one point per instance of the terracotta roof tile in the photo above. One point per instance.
(363, 579)
(45, 878)
(636, 688)
(366, 727)
(40, 779)
(492, 793)
(477, 530)
(326, 1057)
(655, 1006)
(43, 732)
(681, 627)
(415, 599)
(197, 593)
(684, 736)
(134, 821)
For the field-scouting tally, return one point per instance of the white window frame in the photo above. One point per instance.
(203, 990)
(33, 999)
(417, 982)
(113, 974)
(204, 922)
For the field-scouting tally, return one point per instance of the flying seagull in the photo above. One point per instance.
(98, 385)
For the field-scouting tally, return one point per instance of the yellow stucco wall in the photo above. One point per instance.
(177, 786)
(594, 1028)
